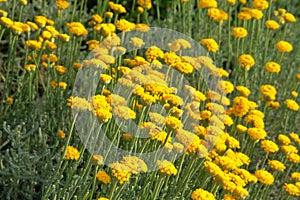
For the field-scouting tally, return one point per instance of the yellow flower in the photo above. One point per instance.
(273, 104)
(272, 67)
(289, 17)
(179, 45)
(208, 4)
(77, 29)
(102, 198)
(276, 165)
(9, 100)
(92, 44)
(295, 176)
(260, 4)
(256, 133)
(200, 194)
(72, 153)
(121, 172)
(269, 146)
(23, 2)
(109, 14)
(268, 91)
(291, 104)
(294, 157)
(62, 4)
(292, 189)
(239, 32)
(294, 137)
(225, 87)
(183, 67)
(40, 20)
(64, 37)
(145, 4)
(77, 65)
(284, 139)
(6, 21)
(135, 164)
(289, 149)
(284, 47)
(124, 25)
(241, 128)
(3, 13)
(256, 14)
(217, 15)
(246, 61)
(30, 67)
(78, 103)
(105, 78)
(244, 16)
(166, 167)
(117, 7)
(173, 123)
(61, 69)
(98, 159)
(62, 135)
(137, 42)
(210, 44)
(140, 9)
(103, 177)
(142, 28)
(231, 2)
(264, 177)
(272, 24)
(240, 106)
(46, 35)
(294, 93)
(62, 85)
(244, 91)
(153, 53)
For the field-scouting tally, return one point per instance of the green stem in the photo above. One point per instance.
(74, 10)
(113, 188)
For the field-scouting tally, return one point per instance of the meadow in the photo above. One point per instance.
(149, 99)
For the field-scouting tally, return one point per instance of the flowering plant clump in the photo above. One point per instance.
(144, 99)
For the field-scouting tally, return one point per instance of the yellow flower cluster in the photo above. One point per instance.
(71, 153)
(200, 194)
(166, 167)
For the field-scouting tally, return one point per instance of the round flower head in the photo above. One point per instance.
(284, 47)
(260, 4)
(289, 17)
(124, 25)
(256, 133)
(244, 91)
(269, 146)
(145, 4)
(103, 177)
(244, 16)
(208, 4)
(61, 4)
(272, 24)
(272, 67)
(291, 104)
(291, 189)
(200, 194)
(239, 32)
(268, 91)
(72, 153)
(276, 165)
(246, 61)
(210, 44)
(166, 167)
(264, 177)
